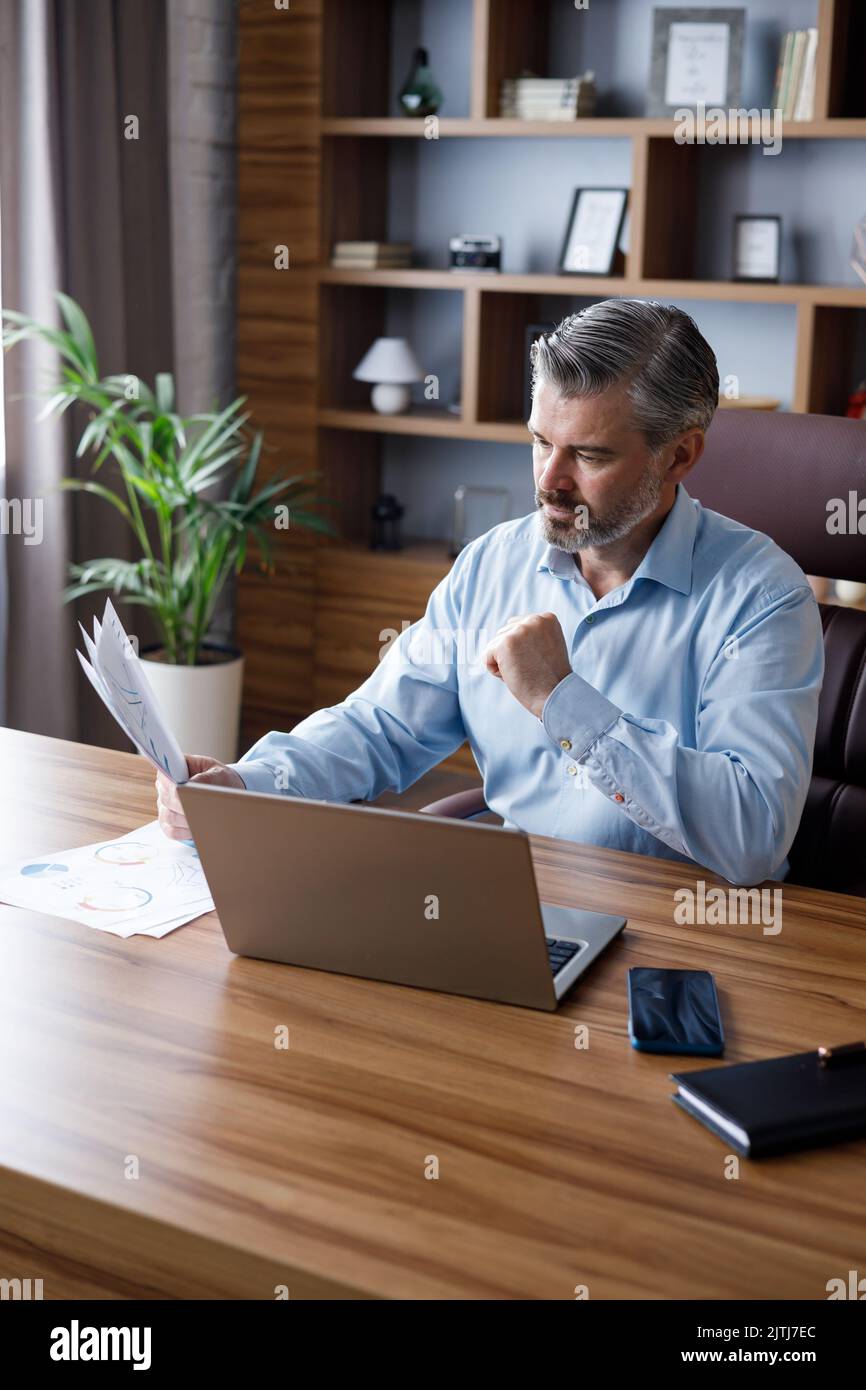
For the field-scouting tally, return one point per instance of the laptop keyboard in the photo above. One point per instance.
(561, 952)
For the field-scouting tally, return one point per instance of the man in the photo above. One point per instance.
(650, 670)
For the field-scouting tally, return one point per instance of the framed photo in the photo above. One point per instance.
(593, 233)
(697, 59)
(757, 247)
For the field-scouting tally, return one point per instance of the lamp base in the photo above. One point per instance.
(388, 399)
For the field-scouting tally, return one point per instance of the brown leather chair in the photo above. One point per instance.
(777, 473)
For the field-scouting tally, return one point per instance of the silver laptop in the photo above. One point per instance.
(388, 895)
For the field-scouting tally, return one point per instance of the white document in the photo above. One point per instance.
(697, 64)
(140, 883)
(117, 676)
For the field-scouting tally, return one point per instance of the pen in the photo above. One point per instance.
(848, 1055)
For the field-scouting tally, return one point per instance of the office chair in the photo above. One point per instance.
(777, 473)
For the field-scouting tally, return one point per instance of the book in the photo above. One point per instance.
(805, 102)
(371, 248)
(369, 263)
(796, 69)
(547, 98)
(782, 1103)
(785, 71)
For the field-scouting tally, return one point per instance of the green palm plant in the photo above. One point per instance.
(168, 466)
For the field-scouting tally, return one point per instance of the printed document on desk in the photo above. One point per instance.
(141, 883)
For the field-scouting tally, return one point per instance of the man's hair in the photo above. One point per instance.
(656, 351)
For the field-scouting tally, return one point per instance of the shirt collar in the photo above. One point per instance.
(668, 560)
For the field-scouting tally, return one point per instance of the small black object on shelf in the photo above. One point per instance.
(419, 95)
(386, 513)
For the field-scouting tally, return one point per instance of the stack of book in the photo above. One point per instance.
(794, 92)
(547, 98)
(372, 255)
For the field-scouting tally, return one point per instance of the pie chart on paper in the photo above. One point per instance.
(125, 852)
(43, 870)
(115, 897)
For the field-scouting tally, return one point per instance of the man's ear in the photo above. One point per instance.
(686, 452)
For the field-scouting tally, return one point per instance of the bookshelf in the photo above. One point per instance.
(316, 141)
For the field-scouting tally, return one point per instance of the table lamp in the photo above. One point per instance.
(391, 364)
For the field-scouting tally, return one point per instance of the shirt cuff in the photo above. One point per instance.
(257, 776)
(575, 715)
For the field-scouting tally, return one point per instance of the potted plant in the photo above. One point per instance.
(187, 493)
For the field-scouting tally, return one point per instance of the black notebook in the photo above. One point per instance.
(771, 1106)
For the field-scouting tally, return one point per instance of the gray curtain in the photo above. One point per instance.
(118, 223)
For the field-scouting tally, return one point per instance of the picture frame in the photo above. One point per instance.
(757, 247)
(696, 59)
(593, 231)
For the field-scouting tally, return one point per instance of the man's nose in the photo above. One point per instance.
(556, 476)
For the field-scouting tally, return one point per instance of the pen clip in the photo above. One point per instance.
(848, 1055)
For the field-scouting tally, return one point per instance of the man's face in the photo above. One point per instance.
(595, 478)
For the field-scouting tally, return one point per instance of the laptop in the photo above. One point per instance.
(388, 895)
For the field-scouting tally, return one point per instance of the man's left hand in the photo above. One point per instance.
(529, 654)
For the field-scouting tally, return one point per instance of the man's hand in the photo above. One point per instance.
(208, 771)
(529, 654)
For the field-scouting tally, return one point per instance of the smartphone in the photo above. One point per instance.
(674, 1011)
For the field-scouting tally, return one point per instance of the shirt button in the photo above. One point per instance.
(618, 796)
(590, 618)
(565, 743)
(572, 769)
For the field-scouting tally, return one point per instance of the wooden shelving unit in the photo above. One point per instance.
(314, 141)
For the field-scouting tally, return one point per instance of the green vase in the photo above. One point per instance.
(419, 95)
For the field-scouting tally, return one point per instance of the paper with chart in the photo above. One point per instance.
(141, 883)
(118, 678)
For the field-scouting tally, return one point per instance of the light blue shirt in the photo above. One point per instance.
(685, 729)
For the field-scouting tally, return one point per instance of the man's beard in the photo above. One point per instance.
(597, 530)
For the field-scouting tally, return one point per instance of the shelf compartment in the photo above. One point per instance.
(831, 360)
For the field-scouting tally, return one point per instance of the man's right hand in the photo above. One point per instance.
(203, 771)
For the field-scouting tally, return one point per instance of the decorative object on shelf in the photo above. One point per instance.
(593, 233)
(858, 250)
(386, 513)
(531, 333)
(372, 255)
(856, 409)
(532, 98)
(476, 510)
(419, 95)
(475, 253)
(392, 365)
(794, 89)
(757, 247)
(697, 59)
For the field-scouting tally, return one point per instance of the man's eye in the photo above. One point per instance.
(540, 443)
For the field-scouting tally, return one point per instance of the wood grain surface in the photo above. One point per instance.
(558, 1167)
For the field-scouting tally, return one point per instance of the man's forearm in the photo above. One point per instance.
(708, 805)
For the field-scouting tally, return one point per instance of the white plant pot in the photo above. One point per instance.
(201, 704)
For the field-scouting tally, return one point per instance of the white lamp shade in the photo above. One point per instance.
(389, 360)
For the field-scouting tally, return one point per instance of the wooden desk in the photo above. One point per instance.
(305, 1167)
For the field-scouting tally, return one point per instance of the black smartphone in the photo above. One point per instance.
(674, 1011)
